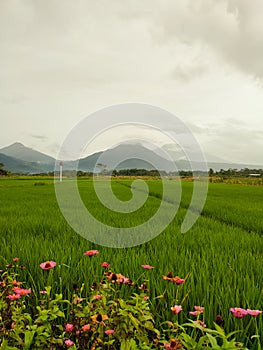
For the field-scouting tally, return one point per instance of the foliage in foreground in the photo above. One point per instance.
(102, 319)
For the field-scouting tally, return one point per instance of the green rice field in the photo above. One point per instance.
(222, 254)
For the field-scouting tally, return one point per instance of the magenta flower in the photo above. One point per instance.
(238, 312)
(21, 291)
(48, 265)
(69, 327)
(105, 265)
(176, 309)
(254, 312)
(91, 252)
(109, 331)
(148, 267)
(179, 280)
(69, 343)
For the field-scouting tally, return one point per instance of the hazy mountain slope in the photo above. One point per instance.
(19, 166)
(19, 151)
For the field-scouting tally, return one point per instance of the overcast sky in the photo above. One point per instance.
(201, 60)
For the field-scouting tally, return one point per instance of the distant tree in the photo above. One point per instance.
(211, 172)
(102, 168)
(3, 172)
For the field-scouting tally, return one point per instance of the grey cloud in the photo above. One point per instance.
(39, 137)
(231, 28)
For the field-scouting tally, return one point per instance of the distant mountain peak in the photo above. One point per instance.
(16, 144)
(24, 153)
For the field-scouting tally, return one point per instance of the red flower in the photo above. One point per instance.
(91, 252)
(15, 283)
(86, 327)
(21, 291)
(105, 265)
(69, 327)
(48, 265)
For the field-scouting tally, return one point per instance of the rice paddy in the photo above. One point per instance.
(221, 254)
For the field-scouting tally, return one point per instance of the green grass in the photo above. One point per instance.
(222, 251)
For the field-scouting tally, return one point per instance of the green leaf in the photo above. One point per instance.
(213, 341)
(29, 335)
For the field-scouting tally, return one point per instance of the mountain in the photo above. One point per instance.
(22, 167)
(21, 152)
(18, 158)
(135, 155)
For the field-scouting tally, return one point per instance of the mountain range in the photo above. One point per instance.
(18, 158)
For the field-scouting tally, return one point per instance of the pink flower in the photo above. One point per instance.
(176, 309)
(146, 297)
(238, 312)
(69, 343)
(179, 280)
(21, 291)
(43, 292)
(79, 300)
(48, 265)
(91, 252)
(97, 297)
(194, 313)
(105, 265)
(198, 310)
(254, 312)
(69, 327)
(148, 267)
(15, 259)
(124, 280)
(109, 331)
(13, 296)
(86, 327)
(173, 345)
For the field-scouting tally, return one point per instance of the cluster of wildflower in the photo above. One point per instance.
(96, 318)
(240, 313)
